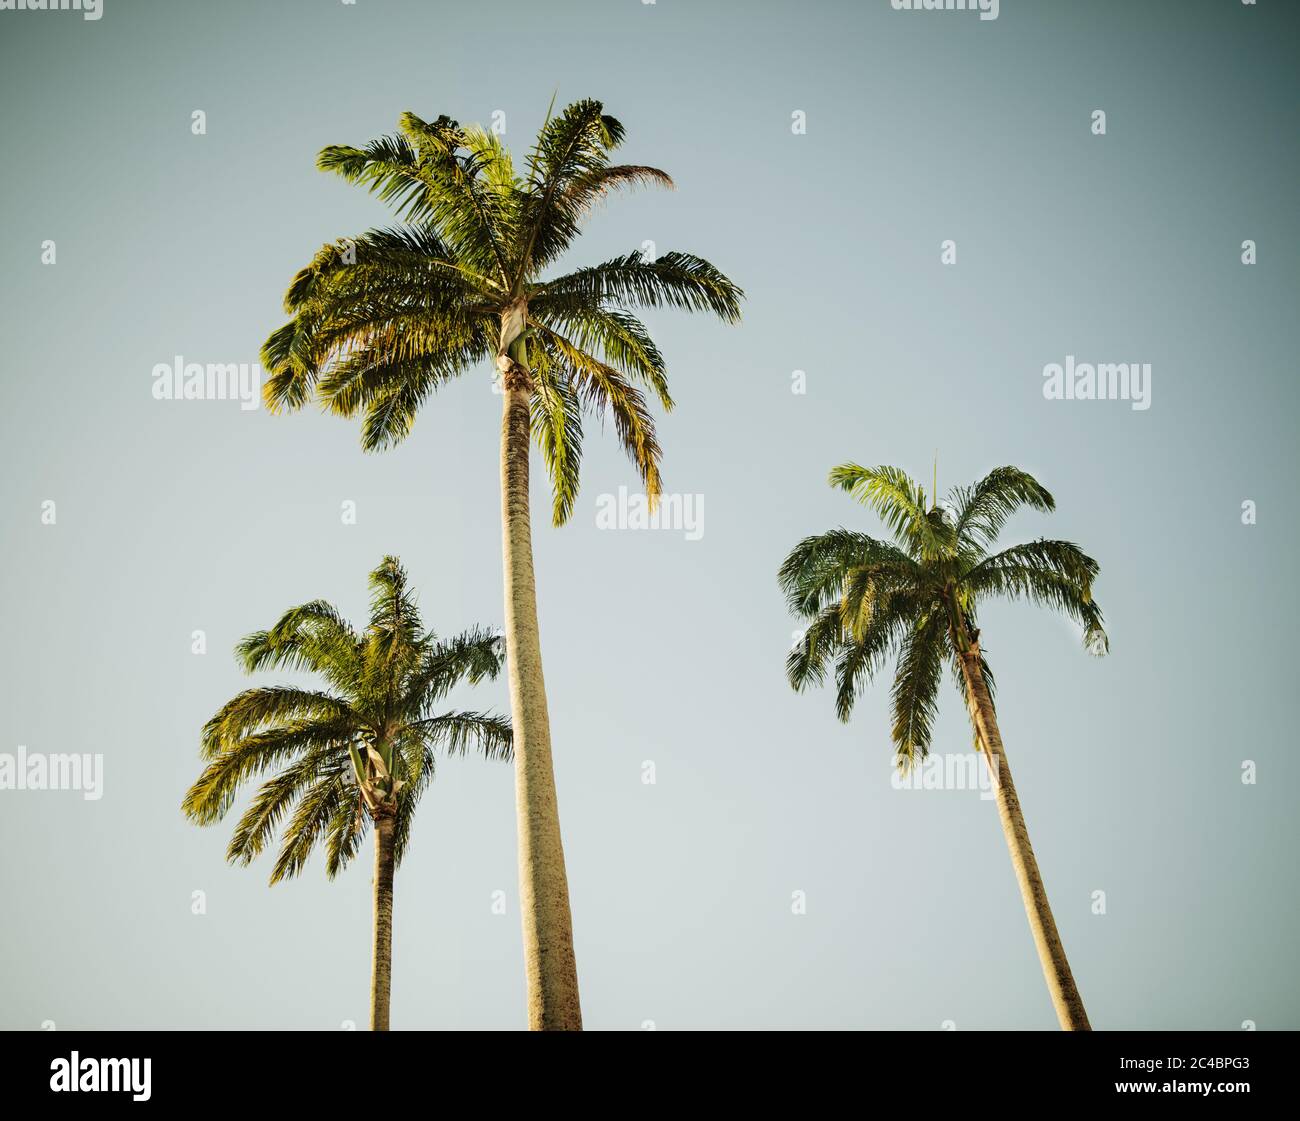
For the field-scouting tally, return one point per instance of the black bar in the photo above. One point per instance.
(1241, 1069)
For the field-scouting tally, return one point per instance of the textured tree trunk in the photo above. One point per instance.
(549, 963)
(1051, 952)
(381, 973)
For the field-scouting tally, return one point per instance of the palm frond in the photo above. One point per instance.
(258, 823)
(572, 145)
(982, 510)
(1055, 574)
(900, 503)
(456, 732)
(271, 705)
(606, 391)
(311, 818)
(388, 167)
(556, 421)
(815, 571)
(677, 280)
(620, 340)
(915, 693)
(312, 637)
(474, 655)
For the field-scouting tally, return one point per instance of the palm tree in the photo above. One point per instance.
(380, 322)
(865, 599)
(360, 751)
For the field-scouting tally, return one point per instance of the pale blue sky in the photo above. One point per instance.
(176, 516)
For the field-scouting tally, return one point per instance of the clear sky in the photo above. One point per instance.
(178, 516)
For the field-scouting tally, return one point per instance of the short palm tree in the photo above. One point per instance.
(380, 322)
(865, 599)
(358, 752)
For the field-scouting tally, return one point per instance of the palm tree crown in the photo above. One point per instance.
(360, 750)
(918, 594)
(379, 322)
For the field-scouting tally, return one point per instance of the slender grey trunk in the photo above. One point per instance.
(381, 973)
(1051, 951)
(549, 963)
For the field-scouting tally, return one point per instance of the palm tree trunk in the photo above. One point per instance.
(1051, 952)
(549, 963)
(381, 973)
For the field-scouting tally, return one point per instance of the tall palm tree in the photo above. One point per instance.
(865, 599)
(360, 751)
(381, 321)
